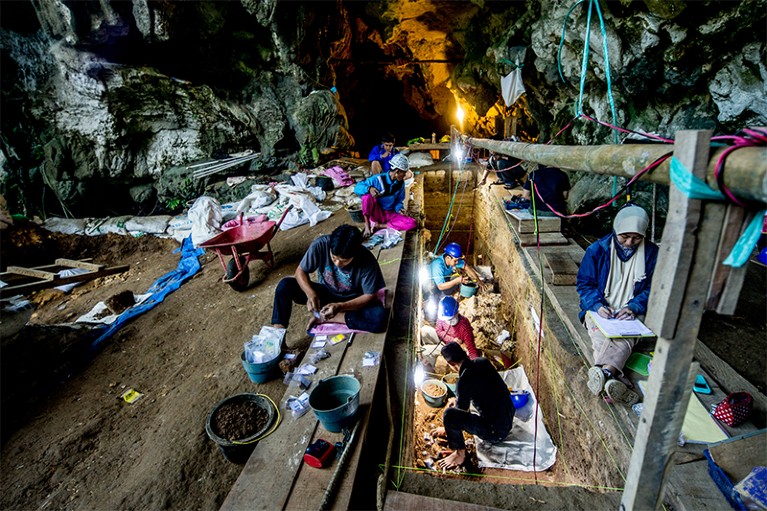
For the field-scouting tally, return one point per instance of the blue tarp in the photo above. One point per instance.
(162, 287)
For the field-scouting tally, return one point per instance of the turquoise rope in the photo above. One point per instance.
(584, 63)
(562, 40)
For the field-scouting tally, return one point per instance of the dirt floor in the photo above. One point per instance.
(70, 442)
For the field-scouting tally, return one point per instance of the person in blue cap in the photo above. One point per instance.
(447, 271)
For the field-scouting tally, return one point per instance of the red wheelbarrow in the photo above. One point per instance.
(244, 242)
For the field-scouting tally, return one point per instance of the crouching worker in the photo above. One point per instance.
(614, 281)
(479, 384)
(348, 280)
(447, 271)
(383, 198)
(451, 327)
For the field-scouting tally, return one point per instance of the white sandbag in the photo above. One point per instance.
(99, 226)
(417, 160)
(66, 225)
(206, 218)
(180, 222)
(148, 224)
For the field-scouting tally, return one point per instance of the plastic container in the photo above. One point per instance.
(260, 373)
(519, 398)
(356, 215)
(238, 451)
(434, 401)
(468, 290)
(335, 402)
(450, 380)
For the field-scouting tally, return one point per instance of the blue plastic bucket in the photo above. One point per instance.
(335, 402)
(260, 373)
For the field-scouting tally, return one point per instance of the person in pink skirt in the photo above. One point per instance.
(383, 197)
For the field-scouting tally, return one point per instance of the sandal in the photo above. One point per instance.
(618, 392)
(596, 380)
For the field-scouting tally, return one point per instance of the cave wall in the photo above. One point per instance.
(111, 94)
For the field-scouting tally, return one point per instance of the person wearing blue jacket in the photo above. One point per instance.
(383, 198)
(614, 281)
(380, 156)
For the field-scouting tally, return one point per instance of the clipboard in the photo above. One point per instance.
(620, 328)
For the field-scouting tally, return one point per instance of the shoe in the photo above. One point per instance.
(596, 380)
(620, 393)
(497, 182)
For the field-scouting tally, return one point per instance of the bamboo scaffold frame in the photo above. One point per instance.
(745, 171)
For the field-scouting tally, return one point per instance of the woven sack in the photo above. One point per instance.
(734, 409)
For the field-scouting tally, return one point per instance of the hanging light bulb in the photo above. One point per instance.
(459, 115)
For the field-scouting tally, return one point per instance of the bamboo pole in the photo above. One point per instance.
(745, 172)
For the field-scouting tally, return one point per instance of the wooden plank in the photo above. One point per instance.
(545, 238)
(73, 263)
(738, 457)
(524, 223)
(676, 251)
(728, 302)
(29, 272)
(563, 268)
(733, 226)
(692, 489)
(678, 305)
(267, 478)
(400, 501)
(289, 483)
(48, 267)
(728, 378)
(35, 286)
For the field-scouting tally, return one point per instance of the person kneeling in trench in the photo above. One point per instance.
(349, 282)
(478, 384)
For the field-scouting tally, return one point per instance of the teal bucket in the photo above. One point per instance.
(468, 290)
(335, 402)
(260, 373)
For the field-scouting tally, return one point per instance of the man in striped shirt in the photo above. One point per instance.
(451, 327)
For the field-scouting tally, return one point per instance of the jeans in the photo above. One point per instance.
(456, 421)
(373, 318)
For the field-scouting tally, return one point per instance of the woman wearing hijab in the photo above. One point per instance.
(614, 281)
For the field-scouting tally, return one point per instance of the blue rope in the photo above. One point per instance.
(562, 40)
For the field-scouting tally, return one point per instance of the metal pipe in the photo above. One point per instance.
(745, 171)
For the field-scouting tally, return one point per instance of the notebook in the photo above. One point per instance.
(620, 328)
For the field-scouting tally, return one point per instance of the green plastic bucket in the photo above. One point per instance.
(335, 402)
(468, 290)
(260, 373)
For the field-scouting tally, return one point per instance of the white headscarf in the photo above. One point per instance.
(623, 275)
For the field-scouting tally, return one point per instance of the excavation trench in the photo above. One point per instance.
(592, 449)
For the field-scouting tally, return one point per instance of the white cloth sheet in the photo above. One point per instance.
(516, 451)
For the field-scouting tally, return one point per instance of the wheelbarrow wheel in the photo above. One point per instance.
(241, 282)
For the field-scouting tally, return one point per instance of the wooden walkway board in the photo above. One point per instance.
(524, 223)
(563, 268)
(275, 476)
(399, 501)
